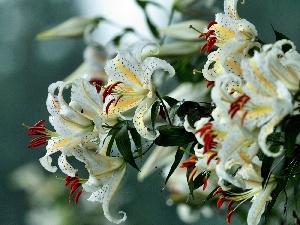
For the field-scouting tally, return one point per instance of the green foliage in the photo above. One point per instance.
(178, 156)
(292, 130)
(124, 145)
(170, 135)
(193, 110)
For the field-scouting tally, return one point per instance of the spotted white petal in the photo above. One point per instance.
(259, 204)
(138, 120)
(46, 163)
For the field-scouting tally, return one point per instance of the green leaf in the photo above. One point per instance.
(173, 136)
(112, 132)
(71, 28)
(193, 111)
(210, 195)
(276, 138)
(278, 35)
(178, 157)
(136, 137)
(154, 112)
(291, 132)
(197, 182)
(124, 146)
(296, 188)
(267, 163)
(275, 193)
(171, 101)
(291, 166)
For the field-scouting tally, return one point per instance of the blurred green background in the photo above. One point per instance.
(27, 67)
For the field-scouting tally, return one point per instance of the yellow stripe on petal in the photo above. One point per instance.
(124, 104)
(234, 66)
(261, 77)
(60, 143)
(131, 76)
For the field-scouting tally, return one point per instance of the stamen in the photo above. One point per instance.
(238, 104)
(218, 191)
(77, 196)
(119, 97)
(108, 105)
(109, 88)
(228, 217)
(211, 23)
(211, 157)
(74, 183)
(221, 200)
(192, 174)
(37, 141)
(209, 83)
(191, 161)
(98, 83)
(230, 204)
(205, 182)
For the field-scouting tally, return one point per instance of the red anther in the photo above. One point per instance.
(243, 117)
(69, 179)
(208, 33)
(208, 142)
(228, 217)
(210, 42)
(119, 97)
(238, 104)
(37, 128)
(209, 83)
(218, 191)
(109, 88)
(191, 161)
(211, 157)
(220, 201)
(77, 196)
(211, 23)
(203, 47)
(230, 204)
(108, 105)
(205, 128)
(192, 174)
(205, 182)
(74, 188)
(37, 141)
(98, 83)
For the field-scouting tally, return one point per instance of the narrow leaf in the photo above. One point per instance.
(136, 137)
(173, 136)
(71, 28)
(171, 101)
(267, 163)
(124, 146)
(291, 132)
(178, 157)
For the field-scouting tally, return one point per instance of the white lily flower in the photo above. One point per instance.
(283, 62)
(130, 86)
(234, 37)
(250, 173)
(71, 127)
(258, 102)
(106, 174)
